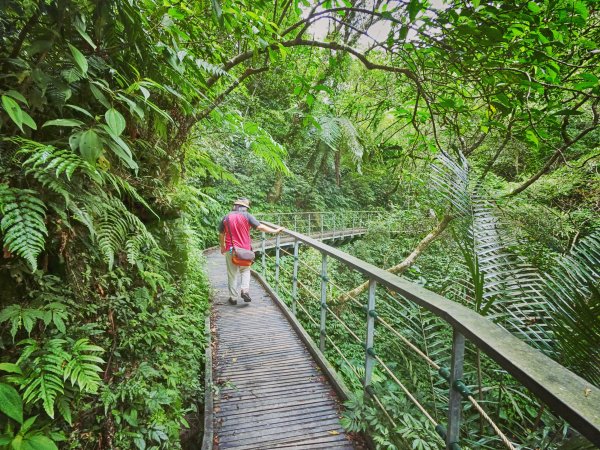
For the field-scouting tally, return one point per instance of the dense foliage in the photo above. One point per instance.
(127, 126)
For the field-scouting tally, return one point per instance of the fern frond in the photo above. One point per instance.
(82, 370)
(50, 365)
(120, 184)
(116, 227)
(50, 182)
(23, 223)
(44, 379)
(211, 68)
(51, 159)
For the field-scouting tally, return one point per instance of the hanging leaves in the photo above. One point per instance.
(90, 146)
(115, 121)
(79, 59)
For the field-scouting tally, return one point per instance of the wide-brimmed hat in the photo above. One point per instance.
(242, 202)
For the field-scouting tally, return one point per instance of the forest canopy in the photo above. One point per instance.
(127, 127)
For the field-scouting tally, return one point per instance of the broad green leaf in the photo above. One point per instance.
(79, 24)
(96, 92)
(81, 110)
(532, 137)
(63, 123)
(38, 442)
(17, 96)
(27, 120)
(10, 368)
(414, 6)
(218, 12)
(534, 7)
(11, 403)
(80, 60)
(115, 121)
(13, 110)
(90, 146)
(74, 140)
(28, 424)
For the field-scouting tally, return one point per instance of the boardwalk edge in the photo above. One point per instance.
(207, 440)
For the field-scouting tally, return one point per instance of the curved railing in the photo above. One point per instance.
(454, 346)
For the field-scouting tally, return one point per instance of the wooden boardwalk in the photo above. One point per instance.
(269, 392)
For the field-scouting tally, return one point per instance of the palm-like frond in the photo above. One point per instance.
(339, 134)
(573, 294)
(498, 283)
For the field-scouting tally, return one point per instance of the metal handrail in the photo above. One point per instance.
(566, 394)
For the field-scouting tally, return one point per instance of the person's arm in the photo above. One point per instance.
(222, 242)
(268, 229)
(254, 223)
(221, 229)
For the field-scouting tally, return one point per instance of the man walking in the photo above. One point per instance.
(234, 231)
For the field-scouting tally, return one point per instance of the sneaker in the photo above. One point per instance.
(246, 297)
(232, 301)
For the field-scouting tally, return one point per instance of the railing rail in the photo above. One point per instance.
(566, 394)
(322, 223)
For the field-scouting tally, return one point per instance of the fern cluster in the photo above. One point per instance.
(55, 368)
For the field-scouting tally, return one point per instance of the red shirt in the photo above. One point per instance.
(237, 225)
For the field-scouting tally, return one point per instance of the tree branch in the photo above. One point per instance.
(219, 99)
(410, 259)
(558, 153)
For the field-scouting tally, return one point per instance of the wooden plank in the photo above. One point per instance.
(243, 423)
(283, 405)
(297, 428)
(318, 435)
(262, 393)
(292, 411)
(269, 403)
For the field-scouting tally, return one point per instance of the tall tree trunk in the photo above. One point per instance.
(338, 169)
(410, 259)
(277, 190)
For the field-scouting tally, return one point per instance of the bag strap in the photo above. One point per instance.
(228, 228)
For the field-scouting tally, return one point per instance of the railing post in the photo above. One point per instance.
(277, 262)
(295, 277)
(333, 235)
(322, 330)
(455, 397)
(264, 258)
(369, 350)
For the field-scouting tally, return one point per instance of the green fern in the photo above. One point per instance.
(50, 366)
(23, 223)
(51, 159)
(82, 370)
(43, 382)
(118, 228)
(20, 317)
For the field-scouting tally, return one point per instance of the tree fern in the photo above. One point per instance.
(23, 222)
